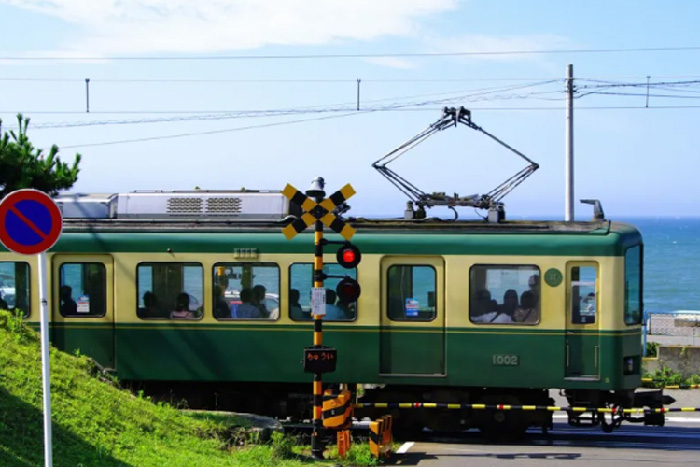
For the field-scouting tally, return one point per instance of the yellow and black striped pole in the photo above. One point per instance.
(318, 212)
(316, 443)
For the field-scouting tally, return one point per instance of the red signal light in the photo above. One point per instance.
(348, 290)
(348, 256)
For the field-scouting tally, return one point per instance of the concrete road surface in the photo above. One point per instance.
(677, 443)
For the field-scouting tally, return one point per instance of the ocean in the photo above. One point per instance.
(671, 263)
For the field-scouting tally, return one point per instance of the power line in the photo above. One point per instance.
(326, 80)
(639, 94)
(211, 132)
(268, 80)
(362, 55)
(470, 96)
(363, 112)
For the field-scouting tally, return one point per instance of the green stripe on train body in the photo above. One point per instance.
(274, 353)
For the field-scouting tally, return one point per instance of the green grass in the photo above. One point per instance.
(664, 377)
(95, 423)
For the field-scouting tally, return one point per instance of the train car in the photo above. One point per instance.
(198, 294)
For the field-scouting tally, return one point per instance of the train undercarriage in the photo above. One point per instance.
(294, 402)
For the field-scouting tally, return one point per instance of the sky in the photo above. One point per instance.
(255, 94)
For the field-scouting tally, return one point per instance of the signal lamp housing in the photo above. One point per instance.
(348, 290)
(348, 256)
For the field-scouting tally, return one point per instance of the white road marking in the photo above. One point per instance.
(683, 419)
(404, 447)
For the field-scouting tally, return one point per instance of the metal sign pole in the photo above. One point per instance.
(46, 387)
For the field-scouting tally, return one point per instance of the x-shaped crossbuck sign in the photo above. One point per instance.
(314, 211)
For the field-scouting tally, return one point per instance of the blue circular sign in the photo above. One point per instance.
(30, 222)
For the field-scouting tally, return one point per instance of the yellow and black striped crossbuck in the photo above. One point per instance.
(314, 211)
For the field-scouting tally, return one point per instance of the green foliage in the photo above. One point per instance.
(665, 376)
(24, 166)
(359, 455)
(283, 446)
(652, 349)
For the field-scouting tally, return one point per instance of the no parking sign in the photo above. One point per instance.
(30, 224)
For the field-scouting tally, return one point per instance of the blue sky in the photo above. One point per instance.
(639, 161)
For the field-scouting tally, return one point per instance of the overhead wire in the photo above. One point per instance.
(357, 55)
(211, 132)
(343, 110)
(470, 96)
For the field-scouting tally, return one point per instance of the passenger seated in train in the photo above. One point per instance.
(222, 309)
(333, 311)
(151, 308)
(258, 299)
(247, 310)
(528, 311)
(504, 312)
(182, 307)
(295, 311)
(510, 302)
(534, 283)
(483, 309)
(68, 305)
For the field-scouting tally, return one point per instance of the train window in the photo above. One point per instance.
(633, 285)
(411, 293)
(584, 300)
(246, 291)
(301, 281)
(170, 290)
(14, 287)
(504, 294)
(83, 290)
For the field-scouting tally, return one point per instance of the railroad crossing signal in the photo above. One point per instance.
(318, 211)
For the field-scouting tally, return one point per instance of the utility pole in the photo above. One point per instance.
(569, 208)
(87, 95)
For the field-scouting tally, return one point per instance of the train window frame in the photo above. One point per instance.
(411, 319)
(534, 271)
(352, 272)
(637, 318)
(103, 291)
(28, 279)
(576, 301)
(201, 310)
(225, 264)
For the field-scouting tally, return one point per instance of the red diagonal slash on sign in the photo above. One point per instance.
(30, 224)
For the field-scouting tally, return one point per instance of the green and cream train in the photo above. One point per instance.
(200, 294)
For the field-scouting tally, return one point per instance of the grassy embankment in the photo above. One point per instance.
(97, 424)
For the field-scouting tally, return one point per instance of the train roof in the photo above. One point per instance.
(265, 211)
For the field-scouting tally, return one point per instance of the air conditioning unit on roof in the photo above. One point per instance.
(244, 205)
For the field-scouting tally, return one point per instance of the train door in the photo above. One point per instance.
(412, 337)
(582, 321)
(82, 306)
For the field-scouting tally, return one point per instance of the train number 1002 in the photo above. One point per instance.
(505, 360)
